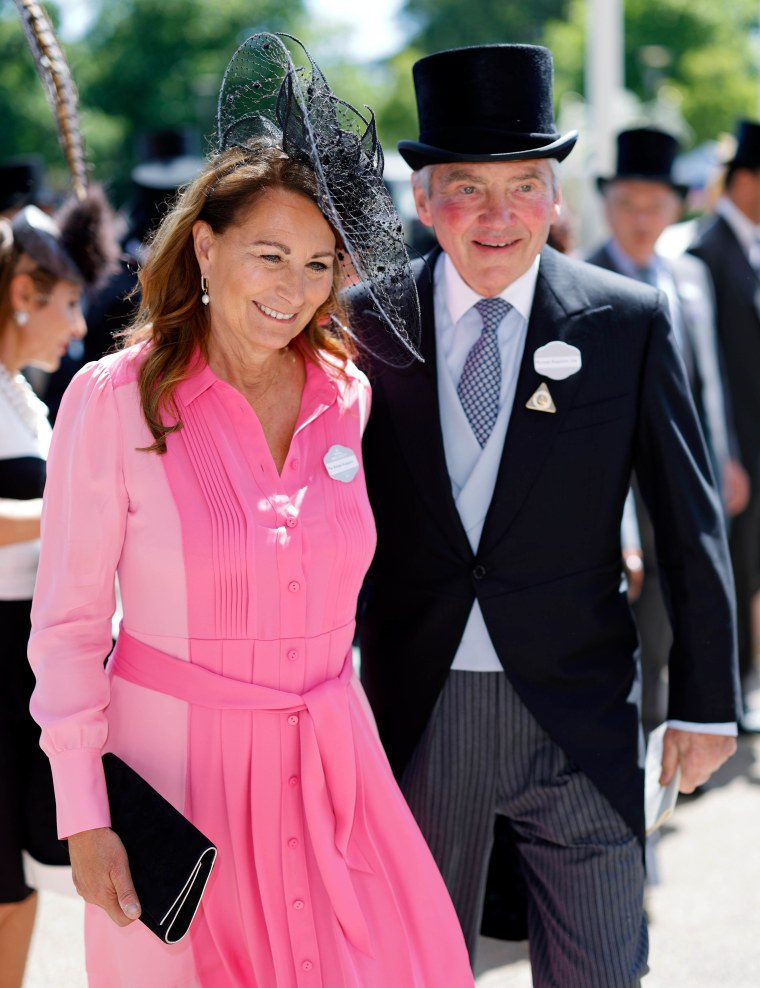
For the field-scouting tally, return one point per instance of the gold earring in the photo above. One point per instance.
(204, 288)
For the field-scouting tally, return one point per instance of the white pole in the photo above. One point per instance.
(604, 75)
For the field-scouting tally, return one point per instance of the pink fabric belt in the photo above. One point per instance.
(329, 781)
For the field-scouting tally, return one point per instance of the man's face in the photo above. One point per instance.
(637, 213)
(492, 218)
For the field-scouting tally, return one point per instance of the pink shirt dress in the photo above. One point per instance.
(236, 697)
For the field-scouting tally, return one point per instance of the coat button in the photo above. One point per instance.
(479, 571)
(298, 904)
(293, 720)
(294, 464)
(292, 654)
(294, 586)
(293, 781)
(307, 965)
(293, 843)
(291, 522)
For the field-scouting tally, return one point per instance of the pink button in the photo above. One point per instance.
(307, 965)
(298, 904)
(294, 586)
(293, 719)
(292, 654)
(293, 843)
(294, 464)
(291, 522)
(293, 780)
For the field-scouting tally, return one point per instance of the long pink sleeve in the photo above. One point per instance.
(83, 524)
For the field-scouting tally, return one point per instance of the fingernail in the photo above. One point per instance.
(131, 909)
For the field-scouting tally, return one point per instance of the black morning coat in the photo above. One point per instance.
(547, 573)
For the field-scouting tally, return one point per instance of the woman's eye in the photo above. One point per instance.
(318, 266)
(270, 258)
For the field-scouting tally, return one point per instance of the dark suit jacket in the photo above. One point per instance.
(737, 294)
(547, 573)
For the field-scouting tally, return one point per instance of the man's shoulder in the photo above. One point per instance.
(571, 277)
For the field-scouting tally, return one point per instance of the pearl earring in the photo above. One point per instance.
(204, 288)
(21, 317)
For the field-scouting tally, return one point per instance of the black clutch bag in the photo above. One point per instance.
(170, 859)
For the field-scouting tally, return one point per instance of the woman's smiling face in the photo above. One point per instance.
(268, 274)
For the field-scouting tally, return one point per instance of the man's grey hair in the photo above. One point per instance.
(423, 177)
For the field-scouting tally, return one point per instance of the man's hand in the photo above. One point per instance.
(101, 874)
(736, 488)
(699, 755)
(633, 562)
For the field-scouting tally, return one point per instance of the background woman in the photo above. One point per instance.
(44, 265)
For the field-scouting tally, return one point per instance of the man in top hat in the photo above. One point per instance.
(22, 183)
(641, 200)
(498, 649)
(730, 246)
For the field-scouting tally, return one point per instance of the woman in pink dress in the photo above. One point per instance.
(215, 465)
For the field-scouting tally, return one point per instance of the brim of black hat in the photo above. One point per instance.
(417, 154)
(167, 174)
(681, 190)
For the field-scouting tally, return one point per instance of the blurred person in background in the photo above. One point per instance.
(45, 263)
(730, 247)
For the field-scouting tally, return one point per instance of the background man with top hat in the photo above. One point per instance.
(730, 246)
(640, 200)
(498, 649)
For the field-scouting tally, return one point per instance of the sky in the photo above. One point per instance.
(374, 36)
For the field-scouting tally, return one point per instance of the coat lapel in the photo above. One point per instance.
(413, 405)
(560, 312)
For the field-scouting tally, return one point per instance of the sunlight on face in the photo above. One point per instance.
(492, 218)
(637, 213)
(54, 321)
(268, 274)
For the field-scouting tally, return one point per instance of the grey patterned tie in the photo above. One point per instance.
(480, 384)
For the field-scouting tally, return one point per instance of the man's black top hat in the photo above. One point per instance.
(485, 103)
(645, 154)
(747, 153)
(22, 182)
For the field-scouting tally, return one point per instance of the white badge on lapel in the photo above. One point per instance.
(541, 400)
(557, 360)
(341, 463)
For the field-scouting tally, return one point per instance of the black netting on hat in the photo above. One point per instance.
(265, 93)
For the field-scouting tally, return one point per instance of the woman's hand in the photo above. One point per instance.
(101, 874)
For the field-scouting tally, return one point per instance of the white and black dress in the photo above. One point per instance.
(27, 808)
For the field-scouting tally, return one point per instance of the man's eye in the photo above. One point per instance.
(467, 190)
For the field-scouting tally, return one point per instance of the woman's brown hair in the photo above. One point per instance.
(171, 316)
(14, 261)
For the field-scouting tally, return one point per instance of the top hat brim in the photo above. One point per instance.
(681, 190)
(417, 155)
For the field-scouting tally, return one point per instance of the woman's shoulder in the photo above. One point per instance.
(119, 368)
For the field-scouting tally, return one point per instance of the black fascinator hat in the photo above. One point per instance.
(78, 244)
(274, 90)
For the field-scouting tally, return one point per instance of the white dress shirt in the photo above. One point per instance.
(473, 470)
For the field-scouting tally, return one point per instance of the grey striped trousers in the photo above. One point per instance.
(483, 753)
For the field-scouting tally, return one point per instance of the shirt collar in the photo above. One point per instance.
(320, 386)
(460, 297)
(744, 229)
(626, 265)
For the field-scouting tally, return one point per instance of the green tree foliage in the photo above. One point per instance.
(705, 53)
(440, 24)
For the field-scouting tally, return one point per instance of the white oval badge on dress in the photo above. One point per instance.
(341, 463)
(557, 360)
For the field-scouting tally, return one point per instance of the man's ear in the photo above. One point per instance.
(421, 202)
